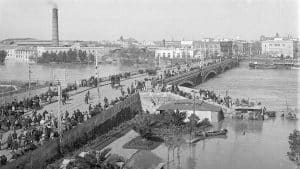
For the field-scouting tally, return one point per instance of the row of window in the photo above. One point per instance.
(276, 45)
(169, 54)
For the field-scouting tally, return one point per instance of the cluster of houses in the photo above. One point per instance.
(28, 49)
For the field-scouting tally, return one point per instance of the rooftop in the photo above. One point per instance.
(187, 104)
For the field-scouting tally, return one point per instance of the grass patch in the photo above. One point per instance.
(143, 144)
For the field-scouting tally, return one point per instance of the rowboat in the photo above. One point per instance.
(212, 133)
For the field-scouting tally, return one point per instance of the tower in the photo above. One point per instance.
(55, 39)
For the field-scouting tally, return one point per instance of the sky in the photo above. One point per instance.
(149, 19)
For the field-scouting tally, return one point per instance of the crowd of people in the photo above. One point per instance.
(204, 94)
(37, 128)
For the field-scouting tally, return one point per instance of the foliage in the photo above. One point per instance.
(3, 54)
(143, 124)
(193, 121)
(67, 57)
(204, 122)
(294, 141)
(96, 160)
(134, 52)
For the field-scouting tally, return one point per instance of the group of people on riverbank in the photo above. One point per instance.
(204, 94)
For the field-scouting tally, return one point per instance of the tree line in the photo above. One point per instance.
(70, 56)
(3, 54)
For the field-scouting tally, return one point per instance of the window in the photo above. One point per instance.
(169, 54)
(164, 54)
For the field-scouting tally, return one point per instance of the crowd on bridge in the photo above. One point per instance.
(37, 128)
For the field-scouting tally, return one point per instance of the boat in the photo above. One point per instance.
(212, 133)
(296, 66)
(290, 115)
(256, 65)
(216, 133)
(271, 113)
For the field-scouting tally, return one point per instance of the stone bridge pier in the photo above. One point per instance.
(200, 75)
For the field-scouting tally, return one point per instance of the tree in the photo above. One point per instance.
(3, 54)
(143, 124)
(193, 121)
(91, 57)
(97, 160)
(294, 141)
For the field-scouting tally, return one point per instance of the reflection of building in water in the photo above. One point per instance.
(247, 125)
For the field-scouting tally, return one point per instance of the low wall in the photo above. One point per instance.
(80, 135)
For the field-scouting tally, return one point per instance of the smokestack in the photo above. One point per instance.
(55, 40)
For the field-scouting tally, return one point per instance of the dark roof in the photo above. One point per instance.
(187, 104)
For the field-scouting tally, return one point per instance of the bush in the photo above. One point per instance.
(141, 71)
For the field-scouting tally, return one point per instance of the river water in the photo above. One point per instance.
(264, 144)
(68, 72)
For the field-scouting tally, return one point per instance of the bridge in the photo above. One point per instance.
(200, 75)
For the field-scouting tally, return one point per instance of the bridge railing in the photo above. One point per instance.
(191, 73)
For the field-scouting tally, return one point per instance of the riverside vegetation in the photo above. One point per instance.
(71, 56)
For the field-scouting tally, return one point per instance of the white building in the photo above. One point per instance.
(202, 109)
(278, 47)
(187, 44)
(97, 51)
(174, 53)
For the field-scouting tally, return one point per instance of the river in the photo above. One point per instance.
(49, 72)
(264, 144)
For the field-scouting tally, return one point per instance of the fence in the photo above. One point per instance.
(78, 136)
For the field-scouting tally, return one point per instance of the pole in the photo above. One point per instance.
(59, 116)
(65, 78)
(194, 108)
(29, 79)
(97, 77)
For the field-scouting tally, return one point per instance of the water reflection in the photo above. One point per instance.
(49, 72)
(144, 159)
(191, 160)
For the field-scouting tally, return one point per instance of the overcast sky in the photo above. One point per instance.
(149, 19)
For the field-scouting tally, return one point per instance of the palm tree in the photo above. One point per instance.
(143, 124)
(97, 160)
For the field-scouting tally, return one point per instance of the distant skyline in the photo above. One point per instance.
(149, 19)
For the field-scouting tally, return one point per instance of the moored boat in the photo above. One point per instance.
(212, 133)
(291, 116)
(271, 113)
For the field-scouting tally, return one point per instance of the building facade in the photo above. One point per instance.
(226, 48)
(207, 49)
(24, 54)
(279, 48)
(96, 51)
(174, 53)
